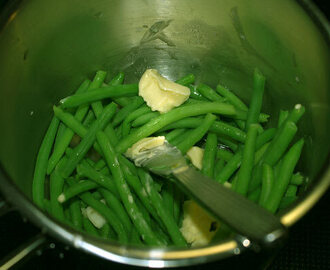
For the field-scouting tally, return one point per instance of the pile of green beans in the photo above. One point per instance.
(81, 161)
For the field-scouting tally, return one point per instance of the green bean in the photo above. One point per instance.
(89, 227)
(132, 116)
(209, 93)
(110, 132)
(245, 171)
(175, 133)
(66, 210)
(209, 155)
(181, 138)
(117, 207)
(264, 137)
(125, 111)
(286, 201)
(280, 144)
(56, 188)
(223, 153)
(267, 184)
(90, 162)
(275, 151)
(231, 166)
(67, 215)
(288, 164)
(38, 189)
(118, 132)
(97, 195)
(99, 165)
(163, 213)
(125, 162)
(76, 189)
(135, 238)
(143, 119)
(256, 99)
(68, 134)
(111, 91)
(194, 94)
(89, 119)
(294, 116)
(97, 105)
(135, 183)
(231, 97)
(140, 223)
(234, 163)
(117, 80)
(291, 191)
(186, 80)
(174, 115)
(47, 206)
(144, 211)
(197, 134)
(254, 196)
(225, 140)
(282, 117)
(106, 212)
(105, 231)
(240, 124)
(105, 171)
(160, 233)
(70, 121)
(297, 112)
(84, 169)
(218, 127)
(59, 134)
(76, 215)
(234, 100)
(220, 164)
(259, 154)
(167, 195)
(297, 179)
(80, 151)
(178, 200)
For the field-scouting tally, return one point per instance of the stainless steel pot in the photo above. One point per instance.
(48, 47)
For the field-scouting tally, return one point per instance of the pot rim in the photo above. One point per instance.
(167, 257)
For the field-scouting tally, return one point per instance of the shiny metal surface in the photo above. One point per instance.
(48, 47)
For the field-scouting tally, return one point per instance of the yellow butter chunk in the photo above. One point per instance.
(143, 145)
(161, 94)
(195, 154)
(95, 217)
(198, 228)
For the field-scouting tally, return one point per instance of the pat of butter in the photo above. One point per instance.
(198, 227)
(143, 145)
(95, 217)
(195, 154)
(161, 94)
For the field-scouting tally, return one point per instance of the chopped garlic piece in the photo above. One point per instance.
(143, 145)
(195, 154)
(160, 93)
(198, 228)
(95, 217)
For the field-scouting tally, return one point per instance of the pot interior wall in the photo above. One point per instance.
(48, 47)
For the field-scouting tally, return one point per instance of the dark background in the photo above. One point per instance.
(307, 247)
